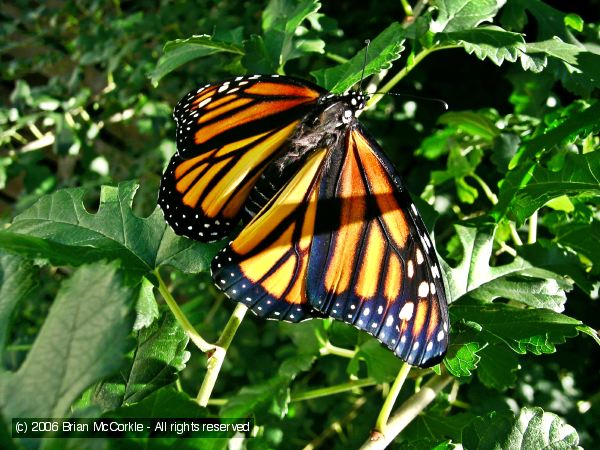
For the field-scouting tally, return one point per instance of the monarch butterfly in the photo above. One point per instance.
(330, 228)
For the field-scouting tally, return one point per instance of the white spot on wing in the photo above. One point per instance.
(407, 311)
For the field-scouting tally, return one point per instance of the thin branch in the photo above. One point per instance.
(408, 411)
(216, 358)
(330, 349)
(532, 232)
(332, 390)
(181, 318)
(515, 234)
(386, 409)
(407, 8)
(486, 189)
(337, 425)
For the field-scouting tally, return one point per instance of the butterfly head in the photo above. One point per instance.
(355, 101)
(345, 106)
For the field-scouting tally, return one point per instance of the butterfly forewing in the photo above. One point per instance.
(227, 134)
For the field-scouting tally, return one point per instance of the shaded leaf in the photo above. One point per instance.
(495, 44)
(584, 238)
(269, 398)
(146, 307)
(18, 279)
(382, 365)
(580, 174)
(83, 339)
(497, 367)
(280, 21)
(157, 357)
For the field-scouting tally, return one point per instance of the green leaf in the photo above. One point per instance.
(497, 367)
(584, 238)
(158, 356)
(457, 15)
(382, 365)
(578, 69)
(574, 21)
(518, 280)
(580, 174)
(545, 254)
(18, 278)
(382, 51)
(523, 330)
(531, 429)
(280, 22)
(491, 43)
(261, 400)
(462, 360)
(578, 123)
(257, 58)
(146, 307)
(473, 123)
(537, 292)
(83, 339)
(437, 144)
(59, 228)
(180, 51)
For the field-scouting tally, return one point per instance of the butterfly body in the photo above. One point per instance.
(330, 230)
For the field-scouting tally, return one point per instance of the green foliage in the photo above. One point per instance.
(511, 174)
(532, 428)
(80, 342)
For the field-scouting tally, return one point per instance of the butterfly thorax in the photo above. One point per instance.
(326, 127)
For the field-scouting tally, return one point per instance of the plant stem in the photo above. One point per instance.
(330, 349)
(515, 234)
(332, 390)
(408, 411)
(336, 58)
(215, 360)
(407, 8)
(386, 409)
(486, 189)
(532, 232)
(337, 425)
(181, 318)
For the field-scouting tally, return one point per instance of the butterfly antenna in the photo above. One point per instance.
(418, 97)
(362, 75)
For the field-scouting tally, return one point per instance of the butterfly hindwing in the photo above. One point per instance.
(266, 266)
(227, 134)
(372, 263)
(341, 239)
